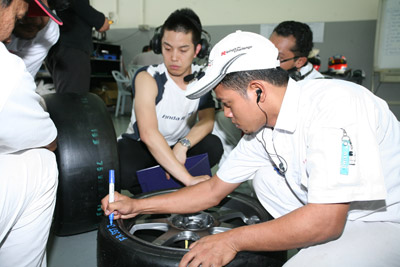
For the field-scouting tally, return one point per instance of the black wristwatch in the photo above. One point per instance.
(185, 142)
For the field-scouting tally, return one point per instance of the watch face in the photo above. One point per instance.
(185, 142)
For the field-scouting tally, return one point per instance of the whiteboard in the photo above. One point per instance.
(387, 37)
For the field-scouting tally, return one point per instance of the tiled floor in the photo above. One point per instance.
(72, 251)
(80, 250)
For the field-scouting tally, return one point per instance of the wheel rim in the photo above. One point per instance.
(176, 231)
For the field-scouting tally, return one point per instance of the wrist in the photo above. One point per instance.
(188, 180)
(233, 240)
(185, 142)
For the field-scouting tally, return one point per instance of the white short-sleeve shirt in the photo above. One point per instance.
(308, 137)
(24, 123)
(34, 51)
(176, 114)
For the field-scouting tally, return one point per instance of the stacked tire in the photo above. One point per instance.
(86, 151)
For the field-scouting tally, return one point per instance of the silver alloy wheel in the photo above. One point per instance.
(176, 231)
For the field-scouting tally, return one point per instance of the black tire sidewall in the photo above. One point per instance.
(116, 248)
(86, 151)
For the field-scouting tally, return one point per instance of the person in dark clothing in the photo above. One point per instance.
(69, 60)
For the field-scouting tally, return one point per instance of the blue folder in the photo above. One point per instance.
(154, 178)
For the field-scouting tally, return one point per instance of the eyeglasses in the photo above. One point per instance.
(285, 60)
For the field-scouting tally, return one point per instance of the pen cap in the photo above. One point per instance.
(111, 175)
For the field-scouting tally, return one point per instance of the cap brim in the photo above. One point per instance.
(203, 86)
(38, 8)
(210, 80)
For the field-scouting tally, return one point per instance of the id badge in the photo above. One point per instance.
(344, 162)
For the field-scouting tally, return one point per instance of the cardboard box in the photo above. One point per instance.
(108, 92)
(110, 97)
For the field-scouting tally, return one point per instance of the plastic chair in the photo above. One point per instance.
(123, 91)
(131, 69)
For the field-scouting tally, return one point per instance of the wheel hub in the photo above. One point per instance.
(193, 222)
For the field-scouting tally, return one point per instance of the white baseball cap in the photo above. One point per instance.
(239, 51)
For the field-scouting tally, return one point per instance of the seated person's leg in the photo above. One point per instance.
(211, 145)
(133, 156)
(27, 198)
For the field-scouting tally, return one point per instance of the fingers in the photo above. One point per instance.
(123, 207)
(106, 25)
(109, 208)
(186, 259)
(105, 205)
(193, 260)
(211, 250)
(189, 258)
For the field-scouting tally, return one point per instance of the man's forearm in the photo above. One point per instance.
(203, 127)
(163, 154)
(309, 225)
(200, 130)
(188, 199)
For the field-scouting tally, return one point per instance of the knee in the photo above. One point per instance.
(214, 149)
(217, 144)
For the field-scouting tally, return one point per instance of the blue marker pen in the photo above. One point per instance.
(111, 176)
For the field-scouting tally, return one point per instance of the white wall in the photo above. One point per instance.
(349, 28)
(132, 13)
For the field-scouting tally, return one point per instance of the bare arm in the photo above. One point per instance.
(309, 225)
(145, 111)
(200, 130)
(52, 146)
(106, 25)
(203, 127)
(186, 200)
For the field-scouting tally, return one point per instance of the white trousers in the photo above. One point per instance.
(227, 132)
(366, 244)
(28, 186)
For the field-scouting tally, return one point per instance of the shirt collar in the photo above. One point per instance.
(287, 118)
(306, 68)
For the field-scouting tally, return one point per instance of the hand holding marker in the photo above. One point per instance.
(111, 176)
